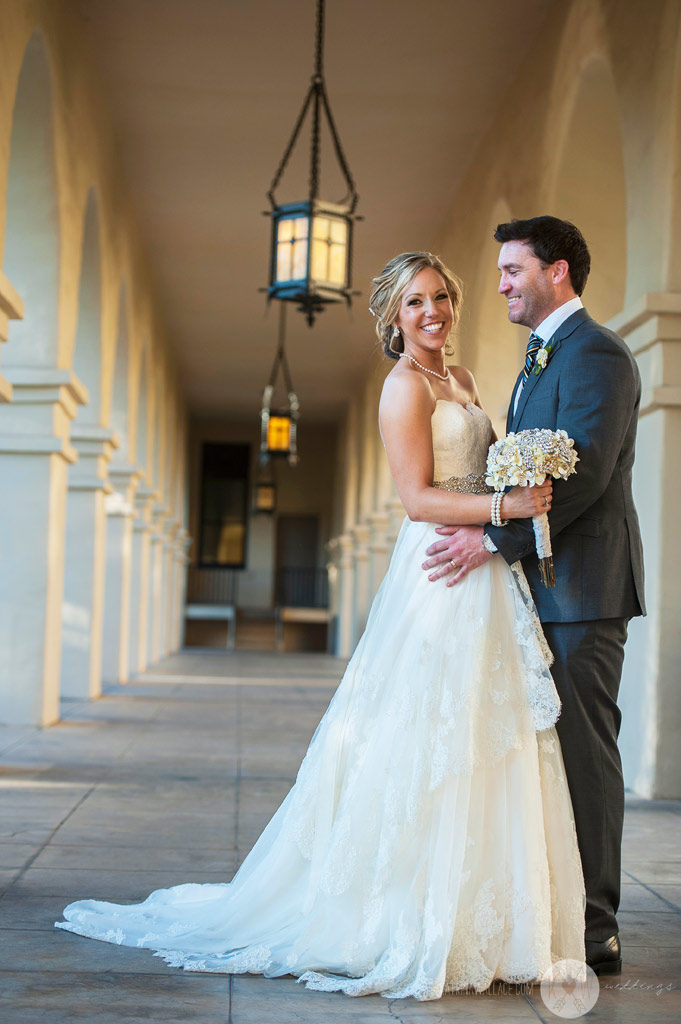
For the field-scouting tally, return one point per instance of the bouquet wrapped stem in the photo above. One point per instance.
(542, 539)
(526, 459)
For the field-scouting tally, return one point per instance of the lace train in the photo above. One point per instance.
(428, 843)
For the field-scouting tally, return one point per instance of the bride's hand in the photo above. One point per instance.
(522, 502)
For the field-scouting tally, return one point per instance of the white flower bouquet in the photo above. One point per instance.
(527, 458)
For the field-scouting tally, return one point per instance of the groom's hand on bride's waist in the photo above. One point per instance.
(459, 551)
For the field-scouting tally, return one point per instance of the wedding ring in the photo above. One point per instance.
(546, 502)
(453, 565)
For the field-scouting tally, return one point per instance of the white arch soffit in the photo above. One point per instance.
(87, 350)
(31, 245)
(120, 382)
(498, 345)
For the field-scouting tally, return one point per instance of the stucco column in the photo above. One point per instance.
(650, 695)
(182, 545)
(346, 595)
(395, 511)
(379, 549)
(120, 513)
(168, 587)
(11, 308)
(35, 454)
(139, 579)
(82, 610)
(156, 603)
(361, 534)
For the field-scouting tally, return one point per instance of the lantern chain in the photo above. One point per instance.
(317, 91)
(280, 357)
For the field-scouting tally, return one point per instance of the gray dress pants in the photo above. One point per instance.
(587, 673)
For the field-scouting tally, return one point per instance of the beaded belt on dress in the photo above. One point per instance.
(471, 484)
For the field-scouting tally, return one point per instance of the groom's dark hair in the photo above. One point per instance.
(551, 239)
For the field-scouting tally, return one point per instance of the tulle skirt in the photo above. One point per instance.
(428, 843)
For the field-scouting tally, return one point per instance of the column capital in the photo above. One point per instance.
(11, 305)
(124, 476)
(95, 446)
(47, 385)
(38, 420)
(648, 306)
(652, 329)
(11, 308)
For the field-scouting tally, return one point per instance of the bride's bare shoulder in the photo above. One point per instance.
(463, 376)
(402, 387)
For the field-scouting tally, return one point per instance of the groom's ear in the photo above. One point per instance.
(560, 271)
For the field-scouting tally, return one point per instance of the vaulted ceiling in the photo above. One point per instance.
(203, 96)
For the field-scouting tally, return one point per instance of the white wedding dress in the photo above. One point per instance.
(428, 843)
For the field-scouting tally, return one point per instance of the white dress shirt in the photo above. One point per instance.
(547, 328)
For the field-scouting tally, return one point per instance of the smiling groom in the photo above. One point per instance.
(585, 382)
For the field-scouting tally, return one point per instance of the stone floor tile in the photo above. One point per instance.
(80, 884)
(7, 878)
(62, 951)
(670, 893)
(639, 897)
(622, 1004)
(258, 1000)
(653, 871)
(113, 998)
(134, 858)
(37, 913)
(16, 855)
(637, 927)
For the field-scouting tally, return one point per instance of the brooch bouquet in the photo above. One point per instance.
(527, 458)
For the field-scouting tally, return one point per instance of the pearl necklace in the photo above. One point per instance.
(405, 355)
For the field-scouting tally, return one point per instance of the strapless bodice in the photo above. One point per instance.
(461, 440)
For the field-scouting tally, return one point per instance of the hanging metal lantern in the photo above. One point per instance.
(311, 256)
(278, 433)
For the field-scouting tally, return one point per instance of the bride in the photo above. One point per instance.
(428, 843)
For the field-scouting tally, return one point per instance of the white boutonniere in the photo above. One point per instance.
(543, 356)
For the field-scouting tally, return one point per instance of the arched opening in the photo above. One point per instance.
(589, 186)
(31, 255)
(33, 468)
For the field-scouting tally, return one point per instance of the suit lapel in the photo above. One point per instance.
(564, 331)
(510, 415)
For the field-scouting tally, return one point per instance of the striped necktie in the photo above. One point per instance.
(533, 345)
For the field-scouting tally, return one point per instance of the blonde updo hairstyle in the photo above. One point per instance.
(390, 286)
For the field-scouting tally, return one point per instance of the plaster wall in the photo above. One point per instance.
(75, 292)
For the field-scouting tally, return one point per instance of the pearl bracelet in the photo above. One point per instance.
(495, 511)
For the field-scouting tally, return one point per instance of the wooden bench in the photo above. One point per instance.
(213, 612)
(307, 616)
(211, 597)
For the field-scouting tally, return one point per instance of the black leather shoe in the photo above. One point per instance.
(604, 957)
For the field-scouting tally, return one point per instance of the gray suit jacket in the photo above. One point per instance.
(590, 388)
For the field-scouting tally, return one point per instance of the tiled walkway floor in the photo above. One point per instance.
(171, 779)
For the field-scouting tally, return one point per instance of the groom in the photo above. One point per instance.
(588, 386)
